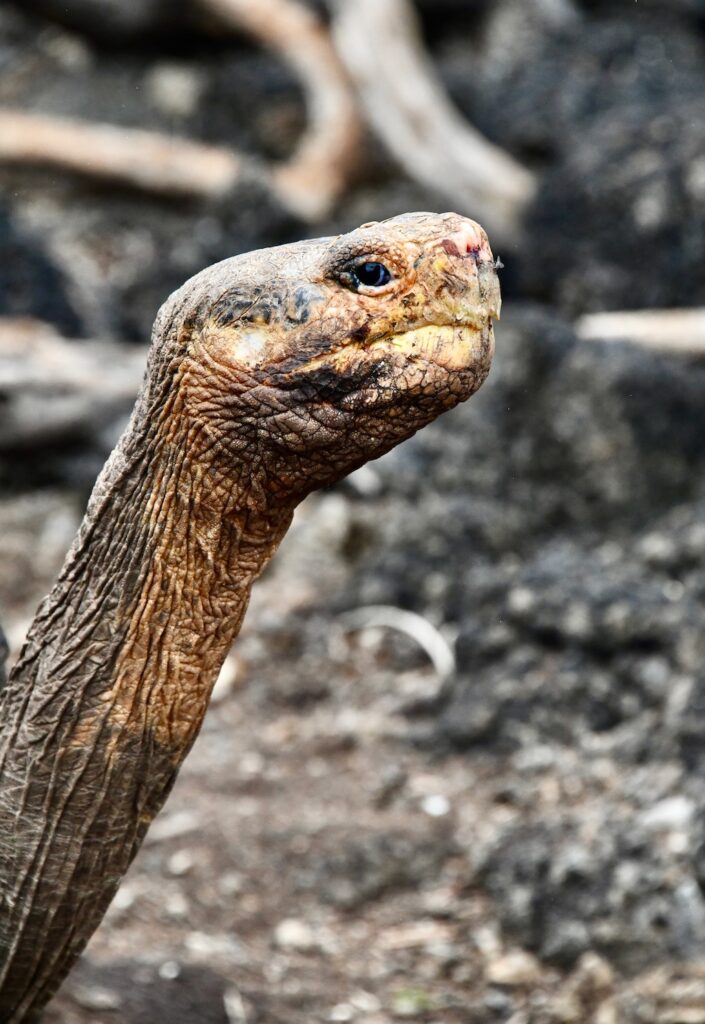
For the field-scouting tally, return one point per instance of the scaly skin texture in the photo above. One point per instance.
(269, 375)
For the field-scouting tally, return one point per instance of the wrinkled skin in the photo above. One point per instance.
(336, 375)
(269, 375)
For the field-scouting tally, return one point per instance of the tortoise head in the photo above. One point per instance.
(315, 357)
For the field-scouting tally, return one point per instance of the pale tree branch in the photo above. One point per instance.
(681, 331)
(141, 159)
(52, 390)
(319, 171)
(308, 184)
(408, 108)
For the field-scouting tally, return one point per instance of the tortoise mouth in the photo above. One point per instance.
(458, 346)
(452, 346)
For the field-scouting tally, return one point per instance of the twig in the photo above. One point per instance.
(307, 185)
(319, 171)
(53, 389)
(681, 331)
(409, 109)
(423, 632)
(142, 159)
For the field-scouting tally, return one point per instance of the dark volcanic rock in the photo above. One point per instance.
(30, 283)
(635, 200)
(611, 107)
(135, 992)
(561, 891)
(349, 870)
(108, 20)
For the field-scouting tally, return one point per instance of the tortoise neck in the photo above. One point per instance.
(112, 686)
(160, 574)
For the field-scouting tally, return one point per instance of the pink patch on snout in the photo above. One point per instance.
(466, 241)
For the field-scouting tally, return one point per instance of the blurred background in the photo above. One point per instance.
(453, 771)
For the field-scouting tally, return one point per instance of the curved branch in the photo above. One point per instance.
(307, 185)
(424, 633)
(141, 159)
(52, 390)
(677, 331)
(407, 105)
(318, 172)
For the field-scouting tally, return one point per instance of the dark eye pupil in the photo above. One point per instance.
(372, 275)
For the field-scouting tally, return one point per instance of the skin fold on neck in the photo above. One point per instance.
(114, 681)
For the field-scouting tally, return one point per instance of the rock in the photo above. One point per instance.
(624, 171)
(514, 968)
(294, 934)
(436, 805)
(31, 284)
(109, 20)
(674, 813)
(348, 869)
(227, 679)
(95, 998)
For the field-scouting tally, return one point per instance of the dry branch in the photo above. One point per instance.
(419, 629)
(319, 170)
(307, 185)
(142, 159)
(680, 331)
(53, 390)
(409, 109)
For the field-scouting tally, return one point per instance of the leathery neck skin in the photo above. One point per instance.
(111, 689)
(269, 375)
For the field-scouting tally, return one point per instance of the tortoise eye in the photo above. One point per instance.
(371, 275)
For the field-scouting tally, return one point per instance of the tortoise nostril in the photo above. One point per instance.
(468, 239)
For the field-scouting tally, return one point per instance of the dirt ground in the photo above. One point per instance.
(452, 770)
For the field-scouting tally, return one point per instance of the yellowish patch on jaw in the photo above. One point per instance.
(453, 347)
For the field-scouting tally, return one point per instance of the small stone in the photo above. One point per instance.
(124, 897)
(607, 1014)
(497, 1001)
(675, 812)
(343, 1011)
(234, 1007)
(365, 481)
(292, 933)
(411, 1002)
(517, 967)
(365, 1001)
(209, 947)
(169, 826)
(180, 863)
(657, 548)
(231, 883)
(521, 600)
(566, 942)
(95, 998)
(177, 905)
(592, 980)
(175, 89)
(436, 805)
(170, 970)
(415, 934)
